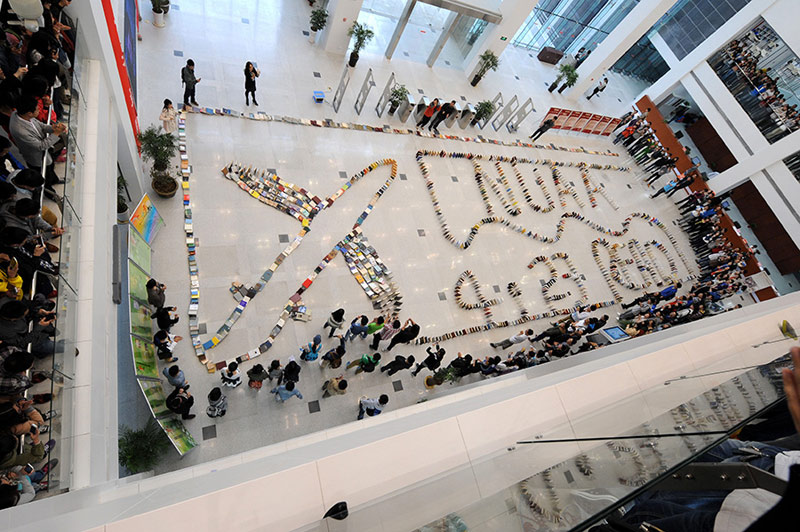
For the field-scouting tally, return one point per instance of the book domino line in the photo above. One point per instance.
(260, 116)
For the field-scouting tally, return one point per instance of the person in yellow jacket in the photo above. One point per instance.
(10, 279)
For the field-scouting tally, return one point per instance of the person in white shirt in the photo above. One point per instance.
(512, 340)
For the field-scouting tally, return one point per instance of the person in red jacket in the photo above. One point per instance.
(431, 110)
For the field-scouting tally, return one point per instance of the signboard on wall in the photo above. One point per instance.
(138, 250)
(137, 282)
(178, 435)
(144, 357)
(146, 220)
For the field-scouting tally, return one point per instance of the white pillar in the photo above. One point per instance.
(514, 14)
(341, 15)
(782, 16)
(635, 24)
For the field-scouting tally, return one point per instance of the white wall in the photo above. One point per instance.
(782, 16)
(514, 14)
(341, 15)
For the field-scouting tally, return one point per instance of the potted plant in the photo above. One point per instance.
(123, 214)
(483, 110)
(158, 12)
(362, 35)
(572, 79)
(319, 18)
(563, 72)
(140, 450)
(488, 61)
(160, 148)
(441, 376)
(399, 93)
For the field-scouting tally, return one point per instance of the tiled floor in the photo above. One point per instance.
(240, 236)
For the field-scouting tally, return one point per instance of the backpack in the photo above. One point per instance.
(182, 71)
(255, 384)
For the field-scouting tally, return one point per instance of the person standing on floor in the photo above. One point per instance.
(189, 82)
(409, 331)
(168, 117)
(250, 75)
(429, 112)
(286, 391)
(398, 364)
(666, 188)
(256, 376)
(217, 403)
(156, 295)
(335, 386)
(231, 376)
(275, 371)
(547, 124)
(291, 372)
(180, 401)
(511, 340)
(432, 361)
(164, 318)
(310, 351)
(375, 326)
(165, 343)
(372, 407)
(175, 377)
(600, 88)
(333, 358)
(446, 110)
(358, 327)
(335, 321)
(387, 333)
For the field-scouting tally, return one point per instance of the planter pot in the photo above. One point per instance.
(312, 36)
(165, 7)
(353, 59)
(474, 122)
(552, 87)
(158, 19)
(475, 80)
(393, 107)
(165, 192)
(562, 88)
(123, 217)
(430, 383)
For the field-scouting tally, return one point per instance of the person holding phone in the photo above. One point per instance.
(10, 279)
(250, 75)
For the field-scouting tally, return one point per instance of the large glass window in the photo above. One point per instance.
(568, 25)
(690, 22)
(642, 61)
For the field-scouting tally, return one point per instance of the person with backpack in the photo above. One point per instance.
(189, 82)
(231, 376)
(335, 386)
(333, 358)
(310, 351)
(372, 407)
(180, 401)
(217, 403)
(366, 363)
(256, 376)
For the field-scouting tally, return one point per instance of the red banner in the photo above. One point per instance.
(572, 120)
(601, 125)
(590, 124)
(582, 120)
(119, 55)
(611, 127)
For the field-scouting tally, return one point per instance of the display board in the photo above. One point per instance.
(146, 219)
(137, 281)
(144, 357)
(138, 250)
(156, 397)
(141, 321)
(589, 123)
(178, 435)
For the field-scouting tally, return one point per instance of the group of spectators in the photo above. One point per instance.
(756, 88)
(34, 99)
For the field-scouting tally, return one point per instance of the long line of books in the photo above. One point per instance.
(526, 193)
(328, 123)
(508, 201)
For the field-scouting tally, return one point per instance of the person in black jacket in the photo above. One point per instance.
(432, 361)
(250, 75)
(446, 110)
(547, 124)
(180, 401)
(164, 319)
(398, 364)
(291, 373)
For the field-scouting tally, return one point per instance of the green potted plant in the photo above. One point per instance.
(123, 215)
(362, 35)
(160, 148)
(488, 61)
(441, 376)
(160, 8)
(398, 95)
(572, 79)
(564, 71)
(140, 450)
(319, 18)
(483, 110)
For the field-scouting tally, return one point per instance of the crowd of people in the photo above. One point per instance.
(34, 105)
(756, 88)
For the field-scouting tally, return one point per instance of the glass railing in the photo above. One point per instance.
(60, 367)
(576, 474)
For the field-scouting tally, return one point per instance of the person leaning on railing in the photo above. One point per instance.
(35, 139)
